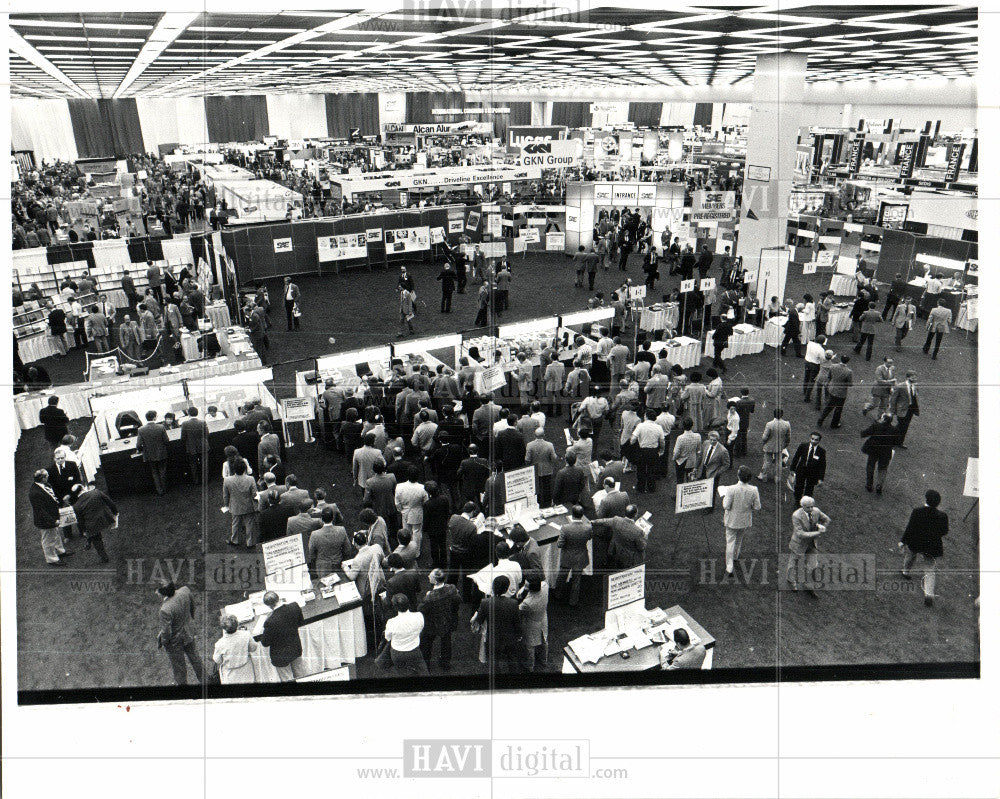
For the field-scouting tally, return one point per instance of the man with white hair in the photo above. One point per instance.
(808, 524)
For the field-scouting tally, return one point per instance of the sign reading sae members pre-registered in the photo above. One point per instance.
(626, 587)
(519, 483)
(494, 378)
(297, 409)
(694, 495)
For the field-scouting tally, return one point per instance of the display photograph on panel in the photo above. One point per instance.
(479, 347)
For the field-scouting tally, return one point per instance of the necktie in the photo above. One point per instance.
(711, 450)
(809, 456)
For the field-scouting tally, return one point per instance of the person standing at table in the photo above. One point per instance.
(903, 405)
(194, 437)
(281, 635)
(232, 653)
(152, 443)
(932, 292)
(792, 330)
(739, 502)
(54, 421)
(447, 278)
(809, 466)
(922, 536)
(154, 276)
(938, 323)
(573, 538)
(903, 319)
(292, 312)
(808, 524)
(128, 287)
(328, 546)
(239, 495)
(815, 352)
(175, 614)
(841, 380)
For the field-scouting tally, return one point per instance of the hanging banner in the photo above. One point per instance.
(550, 154)
(342, 248)
(530, 235)
(954, 162)
(407, 239)
(907, 155)
(857, 147)
(519, 136)
(715, 206)
(437, 235)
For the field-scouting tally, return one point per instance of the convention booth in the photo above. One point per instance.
(379, 185)
(257, 200)
(585, 200)
(115, 418)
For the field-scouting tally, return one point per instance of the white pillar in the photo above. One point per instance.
(847, 116)
(775, 115)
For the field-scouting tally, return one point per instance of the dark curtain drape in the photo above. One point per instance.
(645, 115)
(420, 106)
(90, 130)
(122, 119)
(237, 118)
(520, 114)
(346, 111)
(572, 115)
(703, 114)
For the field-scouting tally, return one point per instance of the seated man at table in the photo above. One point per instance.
(683, 655)
(281, 635)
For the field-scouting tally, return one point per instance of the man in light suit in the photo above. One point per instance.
(902, 320)
(739, 501)
(776, 437)
(809, 466)
(152, 442)
(176, 613)
(541, 454)
(291, 294)
(903, 405)
(687, 450)
(841, 380)
(885, 380)
(938, 323)
(808, 524)
(573, 538)
(713, 461)
(194, 436)
(239, 494)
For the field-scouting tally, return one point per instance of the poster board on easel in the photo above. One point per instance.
(772, 274)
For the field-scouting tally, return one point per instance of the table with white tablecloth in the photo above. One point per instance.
(968, 315)
(844, 285)
(683, 351)
(326, 644)
(73, 399)
(660, 317)
(839, 320)
(218, 312)
(774, 330)
(42, 345)
(546, 537)
(745, 340)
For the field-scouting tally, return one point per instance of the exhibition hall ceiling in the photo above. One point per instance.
(447, 45)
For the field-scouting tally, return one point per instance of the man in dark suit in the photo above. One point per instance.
(841, 380)
(45, 513)
(176, 613)
(504, 636)
(95, 513)
(472, 474)
(273, 520)
(63, 474)
(291, 295)
(246, 440)
(792, 329)
(572, 541)
(281, 634)
(880, 438)
(745, 406)
(402, 581)
(809, 466)
(510, 449)
(54, 420)
(903, 405)
(151, 442)
(440, 610)
(922, 536)
(570, 483)
(447, 278)
(194, 437)
(462, 534)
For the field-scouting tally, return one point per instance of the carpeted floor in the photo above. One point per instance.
(76, 630)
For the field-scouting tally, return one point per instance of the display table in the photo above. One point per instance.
(116, 297)
(968, 315)
(546, 537)
(218, 312)
(42, 345)
(234, 341)
(746, 340)
(774, 330)
(73, 399)
(844, 285)
(647, 658)
(660, 317)
(682, 350)
(332, 635)
(839, 319)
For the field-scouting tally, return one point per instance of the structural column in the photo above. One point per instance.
(775, 116)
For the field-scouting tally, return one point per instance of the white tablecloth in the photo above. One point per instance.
(236, 343)
(116, 297)
(687, 355)
(326, 644)
(550, 555)
(844, 285)
(41, 345)
(89, 454)
(839, 320)
(662, 319)
(968, 315)
(219, 314)
(746, 340)
(774, 330)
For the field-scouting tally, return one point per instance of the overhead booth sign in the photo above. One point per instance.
(713, 206)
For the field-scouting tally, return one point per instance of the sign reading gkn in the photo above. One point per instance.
(537, 148)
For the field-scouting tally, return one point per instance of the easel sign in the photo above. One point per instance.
(971, 479)
(707, 284)
(696, 495)
(749, 276)
(285, 567)
(520, 483)
(687, 286)
(636, 293)
(626, 595)
(297, 409)
(809, 268)
(494, 378)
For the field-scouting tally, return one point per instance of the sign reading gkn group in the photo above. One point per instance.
(550, 153)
